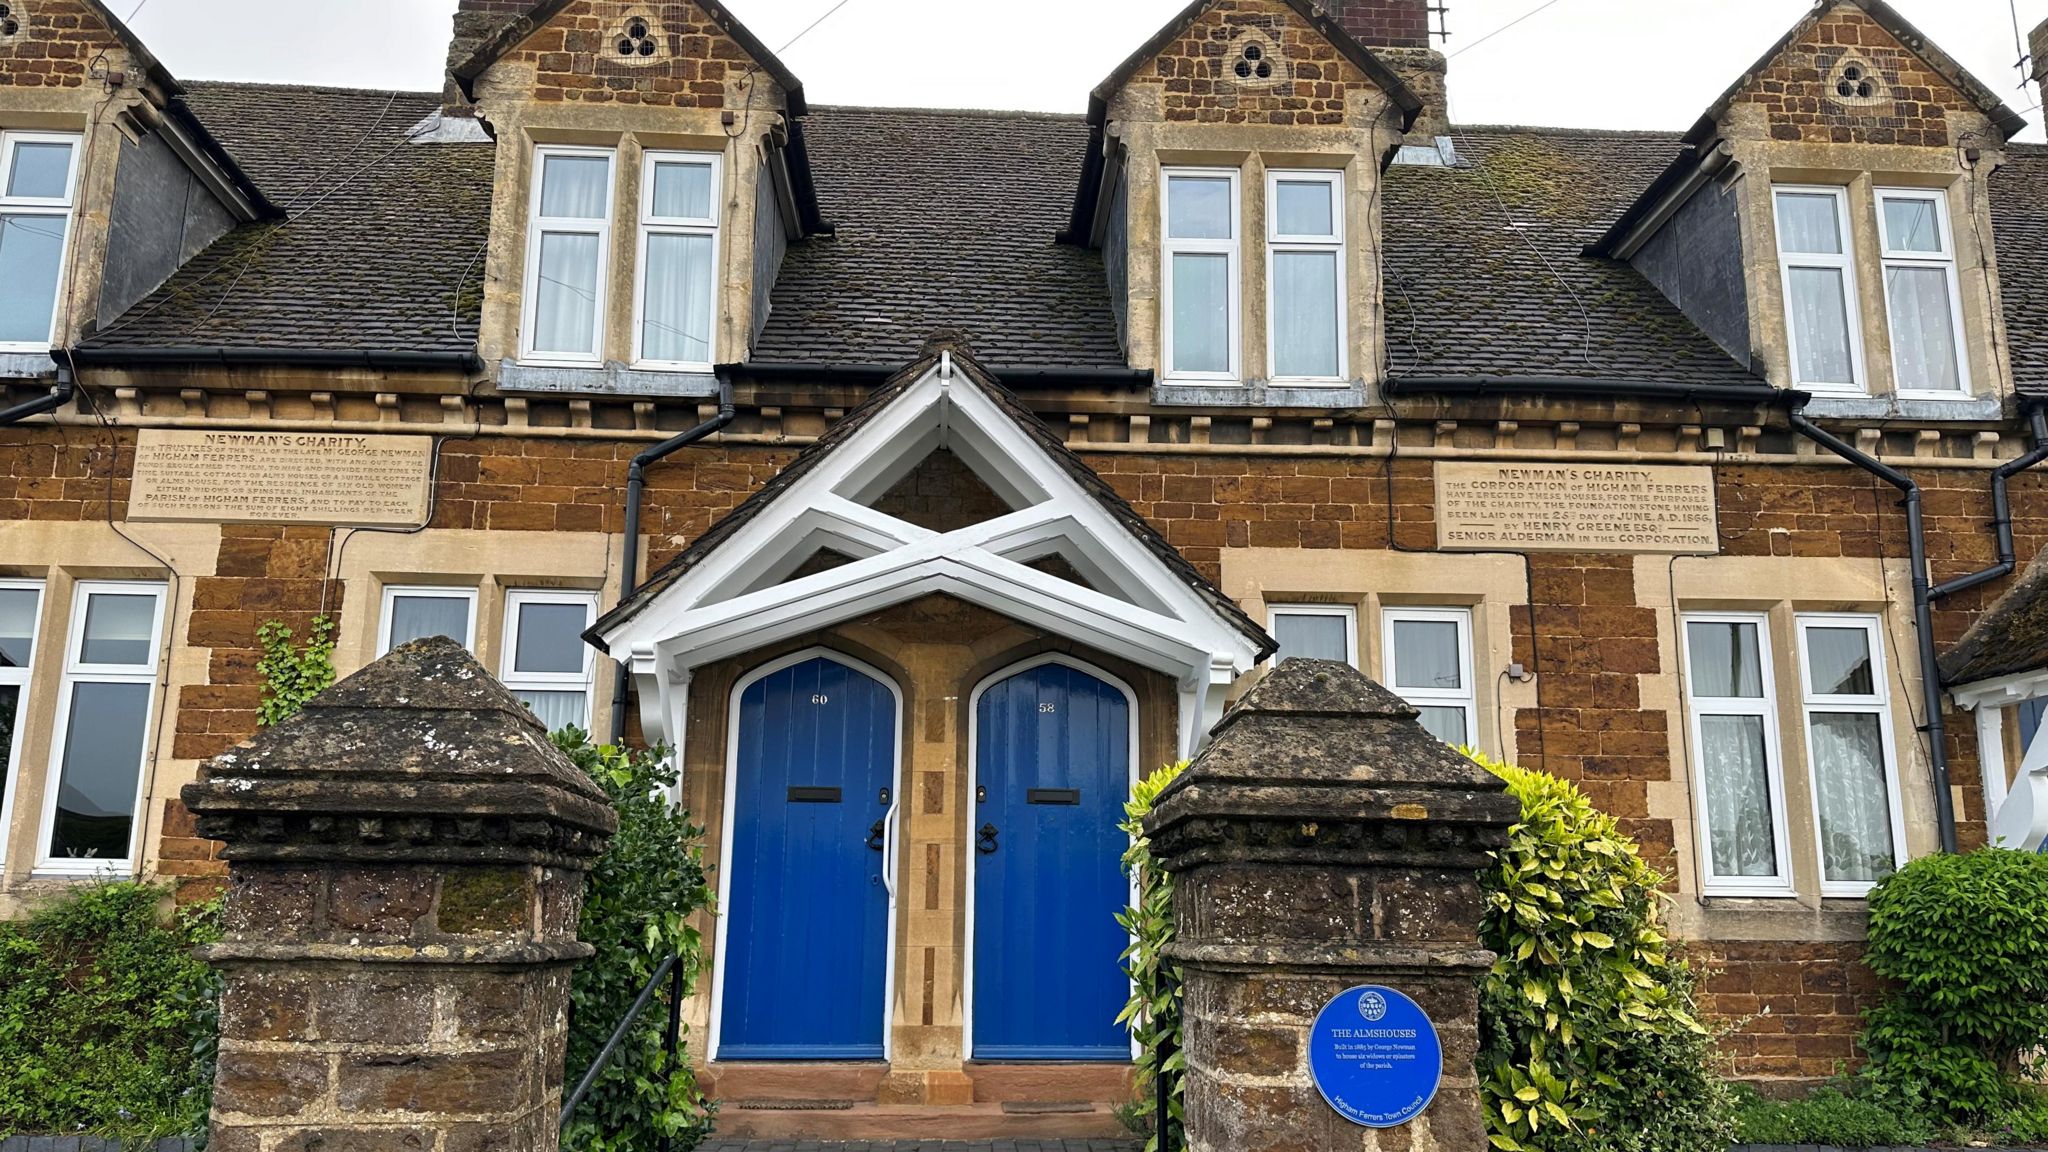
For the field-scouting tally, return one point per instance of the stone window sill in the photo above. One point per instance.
(1259, 394)
(1906, 408)
(613, 379)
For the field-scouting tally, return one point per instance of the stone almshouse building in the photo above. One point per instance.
(1008, 448)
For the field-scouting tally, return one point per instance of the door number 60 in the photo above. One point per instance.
(820, 698)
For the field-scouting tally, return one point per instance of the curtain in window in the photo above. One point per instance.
(556, 710)
(1808, 222)
(1838, 659)
(414, 617)
(1923, 327)
(1426, 654)
(31, 255)
(1313, 636)
(1305, 313)
(1738, 796)
(1201, 312)
(1446, 724)
(682, 191)
(676, 312)
(1724, 659)
(1855, 805)
(1910, 225)
(117, 629)
(565, 305)
(573, 187)
(1820, 323)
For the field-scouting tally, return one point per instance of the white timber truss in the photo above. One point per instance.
(745, 593)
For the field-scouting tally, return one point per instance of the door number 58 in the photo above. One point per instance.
(1048, 707)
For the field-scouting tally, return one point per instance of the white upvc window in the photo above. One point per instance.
(546, 663)
(21, 612)
(676, 300)
(38, 190)
(1314, 631)
(568, 255)
(1848, 719)
(1305, 295)
(1817, 265)
(1199, 283)
(1428, 653)
(107, 698)
(1738, 776)
(1922, 295)
(412, 612)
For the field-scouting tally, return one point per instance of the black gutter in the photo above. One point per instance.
(55, 399)
(629, 556)
(808, 371)
(115, 355)
(2001, 507)
(1923, 605)
(1759, 393)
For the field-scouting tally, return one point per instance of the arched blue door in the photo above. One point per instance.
(1053, 767)
(807, 910)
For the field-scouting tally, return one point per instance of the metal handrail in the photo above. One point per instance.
(670, 1042)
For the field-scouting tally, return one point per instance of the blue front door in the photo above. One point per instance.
(807, 912)
(1053, 767)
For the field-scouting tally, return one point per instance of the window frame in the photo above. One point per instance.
(432, 591)
(1347, 612)
(23, 681)
(77, 671)
(649, 225)
(1233, 251)
(1465, 699)
(1946, 261)
(64, 208)
(538, 226)
(1879, 704)
(517, 681)
(1765, 705)
(1845, 262)
(1278, 242)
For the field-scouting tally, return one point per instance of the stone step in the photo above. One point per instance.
(919, 1122)
(856, 1082)
(1050, 1083)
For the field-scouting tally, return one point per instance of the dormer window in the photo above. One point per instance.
(678, 253)
(1820, 288)
(1920, 291)
(38, 181)
(1201, 281)
(1305, 267)
(568, 248)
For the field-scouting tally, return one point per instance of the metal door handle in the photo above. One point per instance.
(875, 834)
(985, 843)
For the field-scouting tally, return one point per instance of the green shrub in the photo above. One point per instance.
(637, 908)
(1153, 1012)
(291, 676)
(1588, 1041)
(1964, 942)
(106, 1017)
(1829, 1117)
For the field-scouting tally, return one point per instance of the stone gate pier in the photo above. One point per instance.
(406, 864)
(1324, 840)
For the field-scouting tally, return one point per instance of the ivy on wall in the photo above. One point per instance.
(292, 675)
(1153, 1012)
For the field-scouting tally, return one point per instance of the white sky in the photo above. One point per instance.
(1578, 63)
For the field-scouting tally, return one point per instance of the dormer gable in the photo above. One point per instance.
(1819, 216)
(651, 172)
(1230, 182)
(108, 182)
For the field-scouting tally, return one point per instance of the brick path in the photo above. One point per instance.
(717, 1145)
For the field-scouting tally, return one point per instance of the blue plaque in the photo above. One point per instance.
(1375, 1057)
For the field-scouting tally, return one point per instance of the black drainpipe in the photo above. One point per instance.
(1924, 593)
(57, 398)
(636, 482)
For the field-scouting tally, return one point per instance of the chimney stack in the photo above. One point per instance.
(1397, 31)
(476, 21)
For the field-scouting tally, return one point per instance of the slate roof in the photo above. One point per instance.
(2019, 227)
(2010, 638)
(379, 232)
(1486, 273)
(945, 222)
(874, 404)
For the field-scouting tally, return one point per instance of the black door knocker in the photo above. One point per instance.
(986, 842)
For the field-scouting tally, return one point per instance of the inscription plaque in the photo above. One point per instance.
(286, 477)
(1576, 508)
